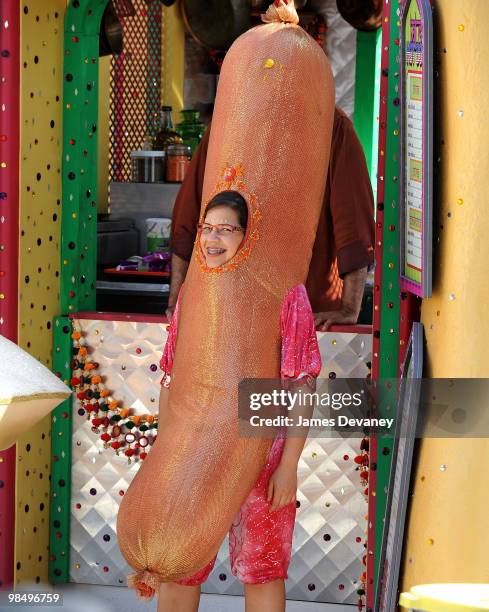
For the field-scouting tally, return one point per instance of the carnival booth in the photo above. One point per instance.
(86, 204)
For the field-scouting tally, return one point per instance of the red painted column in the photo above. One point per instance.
(379, 231)
(9, 250)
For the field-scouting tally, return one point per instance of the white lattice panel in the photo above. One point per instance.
(326, 560)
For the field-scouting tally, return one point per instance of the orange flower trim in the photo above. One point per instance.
(230, 174)
(118, 428)
(231, 178)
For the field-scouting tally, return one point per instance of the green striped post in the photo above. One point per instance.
(78, 244)
(388, 366)
(59, 549)
(367, 95)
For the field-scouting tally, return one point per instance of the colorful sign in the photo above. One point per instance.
(417, 147)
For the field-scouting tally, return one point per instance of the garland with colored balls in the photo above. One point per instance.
(117, 427)
(362, 460)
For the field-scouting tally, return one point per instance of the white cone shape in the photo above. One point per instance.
(28, 392)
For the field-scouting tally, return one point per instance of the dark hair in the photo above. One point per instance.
(234, 201)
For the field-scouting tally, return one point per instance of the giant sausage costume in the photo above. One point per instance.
(270, 141)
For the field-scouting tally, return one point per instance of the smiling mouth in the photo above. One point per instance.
(215, 251)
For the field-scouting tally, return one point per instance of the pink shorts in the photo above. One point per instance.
(260, 542)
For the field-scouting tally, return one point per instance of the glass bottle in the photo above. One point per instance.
(191, 128)
(166, 133)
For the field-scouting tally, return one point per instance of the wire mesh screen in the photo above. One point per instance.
(135, 76)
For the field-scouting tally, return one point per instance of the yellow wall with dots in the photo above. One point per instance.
(40, 215)
(447, 536)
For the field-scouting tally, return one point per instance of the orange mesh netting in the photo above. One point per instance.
(270, 141)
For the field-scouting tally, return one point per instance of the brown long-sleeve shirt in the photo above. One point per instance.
(346, 234)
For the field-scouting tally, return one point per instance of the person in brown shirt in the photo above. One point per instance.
(344, 245)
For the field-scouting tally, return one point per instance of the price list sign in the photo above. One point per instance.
(417, 147)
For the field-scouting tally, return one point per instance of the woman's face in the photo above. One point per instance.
(219, 244)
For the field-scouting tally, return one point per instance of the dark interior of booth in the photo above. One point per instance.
(137, 198)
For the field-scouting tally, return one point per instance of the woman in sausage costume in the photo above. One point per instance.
(243, 313)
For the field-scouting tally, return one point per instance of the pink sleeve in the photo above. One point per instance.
(166, 361)
(300, 350)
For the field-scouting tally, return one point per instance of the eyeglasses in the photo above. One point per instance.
(222, 229)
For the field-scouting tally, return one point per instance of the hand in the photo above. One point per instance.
(169, 312)
(282, 486)
(324, 320)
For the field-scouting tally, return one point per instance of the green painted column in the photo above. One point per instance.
(61, 434)
(388, 364)
(78, 245)
(367, 97)
(80, 153)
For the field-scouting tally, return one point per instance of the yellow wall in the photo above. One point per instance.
(447, 535)
(173, 59)
(40, 217)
